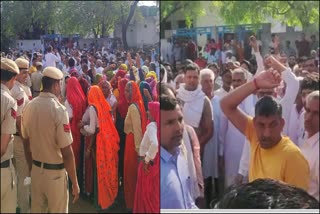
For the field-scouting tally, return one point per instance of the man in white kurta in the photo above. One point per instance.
(230, 137)
(310, 147)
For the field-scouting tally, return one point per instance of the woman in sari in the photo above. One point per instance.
(122, 110)
(134, 126)
(147, 188)
(146, 93)
(105, 149)
(114, 82)
(76, 106)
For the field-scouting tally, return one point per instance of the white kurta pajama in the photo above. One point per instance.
(233, 141)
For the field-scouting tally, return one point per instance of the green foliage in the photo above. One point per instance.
(191, 10)
(292, 13)
(65, 17)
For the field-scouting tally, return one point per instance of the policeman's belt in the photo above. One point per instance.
(5, 164)
(48, 165)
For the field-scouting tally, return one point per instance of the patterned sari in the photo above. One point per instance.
(107, 146)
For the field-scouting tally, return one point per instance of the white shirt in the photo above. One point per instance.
(295, 119)
(90, 120)
(290, 96)
(99, 70)
(149, 143)
(310, 150)
(69, 109)
(221, 92)
(245, 158)
(51, 59)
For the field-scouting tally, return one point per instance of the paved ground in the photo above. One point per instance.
(86, 206)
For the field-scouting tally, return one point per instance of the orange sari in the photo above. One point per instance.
(130, 155)
(107, 146)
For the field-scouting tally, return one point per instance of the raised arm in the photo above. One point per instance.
(229, 103)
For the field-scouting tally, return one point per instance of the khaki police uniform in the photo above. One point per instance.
(45, 123)
(20, 161)
(8, 126)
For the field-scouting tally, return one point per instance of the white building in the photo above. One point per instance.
(143, 31)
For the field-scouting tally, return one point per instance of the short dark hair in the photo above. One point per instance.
(213, 65)
(71, 62)
(267, 194)
(310, 81)
(7, 75)
(268, 106)
(48, 82)
(50, 48)
(165, 88)
(167, 103)
(191, 66)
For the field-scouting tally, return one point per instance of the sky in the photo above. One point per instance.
(147, 3)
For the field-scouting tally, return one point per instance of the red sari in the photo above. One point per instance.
(131, 156)
(77, 100)
(147, 196)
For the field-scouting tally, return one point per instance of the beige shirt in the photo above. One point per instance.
(149, 143)
(19, 94)
(132, 124)
(310, 150)
(45, 123)
(8, 119)
(36, 78)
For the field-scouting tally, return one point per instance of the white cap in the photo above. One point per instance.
(53, 73)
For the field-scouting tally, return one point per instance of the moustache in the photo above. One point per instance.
(265, 139)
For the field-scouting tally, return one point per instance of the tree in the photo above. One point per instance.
(125, 24)
(292, 13)
(191, 10)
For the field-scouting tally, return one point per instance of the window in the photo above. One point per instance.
(167, 26)
(182, 24)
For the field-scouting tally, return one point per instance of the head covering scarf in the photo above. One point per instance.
(121, 74)
(123, 103)
(110, 74)
(84, 85)
(77, 100)
(136, 98)
(107, 146)
(142, 86)
(152, 74)
(145, 69)
(153, 86)
(99, 78)
(123, 67)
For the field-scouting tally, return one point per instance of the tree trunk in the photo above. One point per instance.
(126, 24)
(94, 33)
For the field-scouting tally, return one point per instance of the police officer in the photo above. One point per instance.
(9, 71)
(45, 123)
(20, 163)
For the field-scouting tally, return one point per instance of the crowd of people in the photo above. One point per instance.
(85, 120)
(227, 127)
(209, 134)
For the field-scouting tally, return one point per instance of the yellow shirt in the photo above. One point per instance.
(32, 69)
(283, 162)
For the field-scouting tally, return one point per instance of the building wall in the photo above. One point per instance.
(143, 33)
(29, 45)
